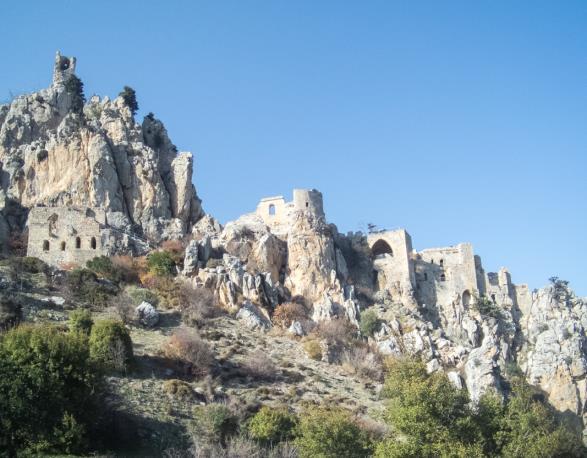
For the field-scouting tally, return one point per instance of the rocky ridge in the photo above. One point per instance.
(56, 155)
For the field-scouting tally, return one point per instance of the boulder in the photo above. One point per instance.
(147, 314)
(252, 317)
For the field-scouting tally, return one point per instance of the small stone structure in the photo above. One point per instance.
(72, 235)
(63, 68)
(66, 235)
(277, 213)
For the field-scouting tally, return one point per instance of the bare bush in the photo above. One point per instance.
(285, 314)
(128, 268)
(197, 304)
(338, 335)
(338, 331)
(260, 366)
(363, 362)
(191, 351)
(123, 307)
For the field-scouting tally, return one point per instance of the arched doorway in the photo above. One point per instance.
(381, 248)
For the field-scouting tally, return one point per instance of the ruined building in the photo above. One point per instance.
(63, 236)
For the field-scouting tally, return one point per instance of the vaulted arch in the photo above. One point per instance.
(381, 247)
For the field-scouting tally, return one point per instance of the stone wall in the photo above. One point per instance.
(279, 214)
(67, 235)
(391, 252)
(444, 275)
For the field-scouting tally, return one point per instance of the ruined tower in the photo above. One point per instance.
(63, 68)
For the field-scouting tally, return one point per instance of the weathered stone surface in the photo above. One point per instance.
(147, 314)
(52, 155)
(252, 317)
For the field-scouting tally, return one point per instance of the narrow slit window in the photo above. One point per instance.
(62, 246)
(93, 243)
(78, 243)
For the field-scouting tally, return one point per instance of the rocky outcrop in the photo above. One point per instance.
(554, 354)
(56, 153)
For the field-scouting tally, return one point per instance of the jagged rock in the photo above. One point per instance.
(54, 156)
(252, 317)
(432, 366)
(190, 260)
(311, 260)
(455, 379)
(147, 314)
(296, 329)
(249, 240)
(554, 356)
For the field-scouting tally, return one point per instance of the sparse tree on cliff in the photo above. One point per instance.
(129, 96)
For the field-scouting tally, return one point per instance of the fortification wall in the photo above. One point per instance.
(444, 275)
(391, 251)
(66, 235)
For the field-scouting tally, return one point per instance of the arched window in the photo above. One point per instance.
(78, 243)
(45, 245)
(441, 262)
(466, 298)
(62, 246)
(381, 248)
(432, 261)
(272, 209)
(442, 277)
(93, 243)
(493, 298)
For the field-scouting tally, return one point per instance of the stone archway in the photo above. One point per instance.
(381, 248)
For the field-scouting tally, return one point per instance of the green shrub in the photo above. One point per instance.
(83, 285)
(110, 345)
(75, 88)
(34, 265)
(272, 425)
(431, 417)
(370, 323)
(138, 295)
(331, 433)
(47, 391)
(10, 312)
(214, 423)
(129, 96)
(80, 320)
(161, 263)
(488, 308)
(103, 266)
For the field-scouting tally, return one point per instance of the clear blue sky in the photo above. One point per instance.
(457, 120)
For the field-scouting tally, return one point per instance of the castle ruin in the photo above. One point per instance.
(432, 276)
(63, 236)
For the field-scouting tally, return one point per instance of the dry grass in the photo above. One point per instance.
(178, 389)
(363, 362)
(313, 349)
(190, 350)
(260, 366)
(196, 304)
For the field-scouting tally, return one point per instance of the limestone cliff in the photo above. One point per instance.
(57, 151)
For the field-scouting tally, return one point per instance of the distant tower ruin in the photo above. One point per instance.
(63, 68)
(308, 200)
